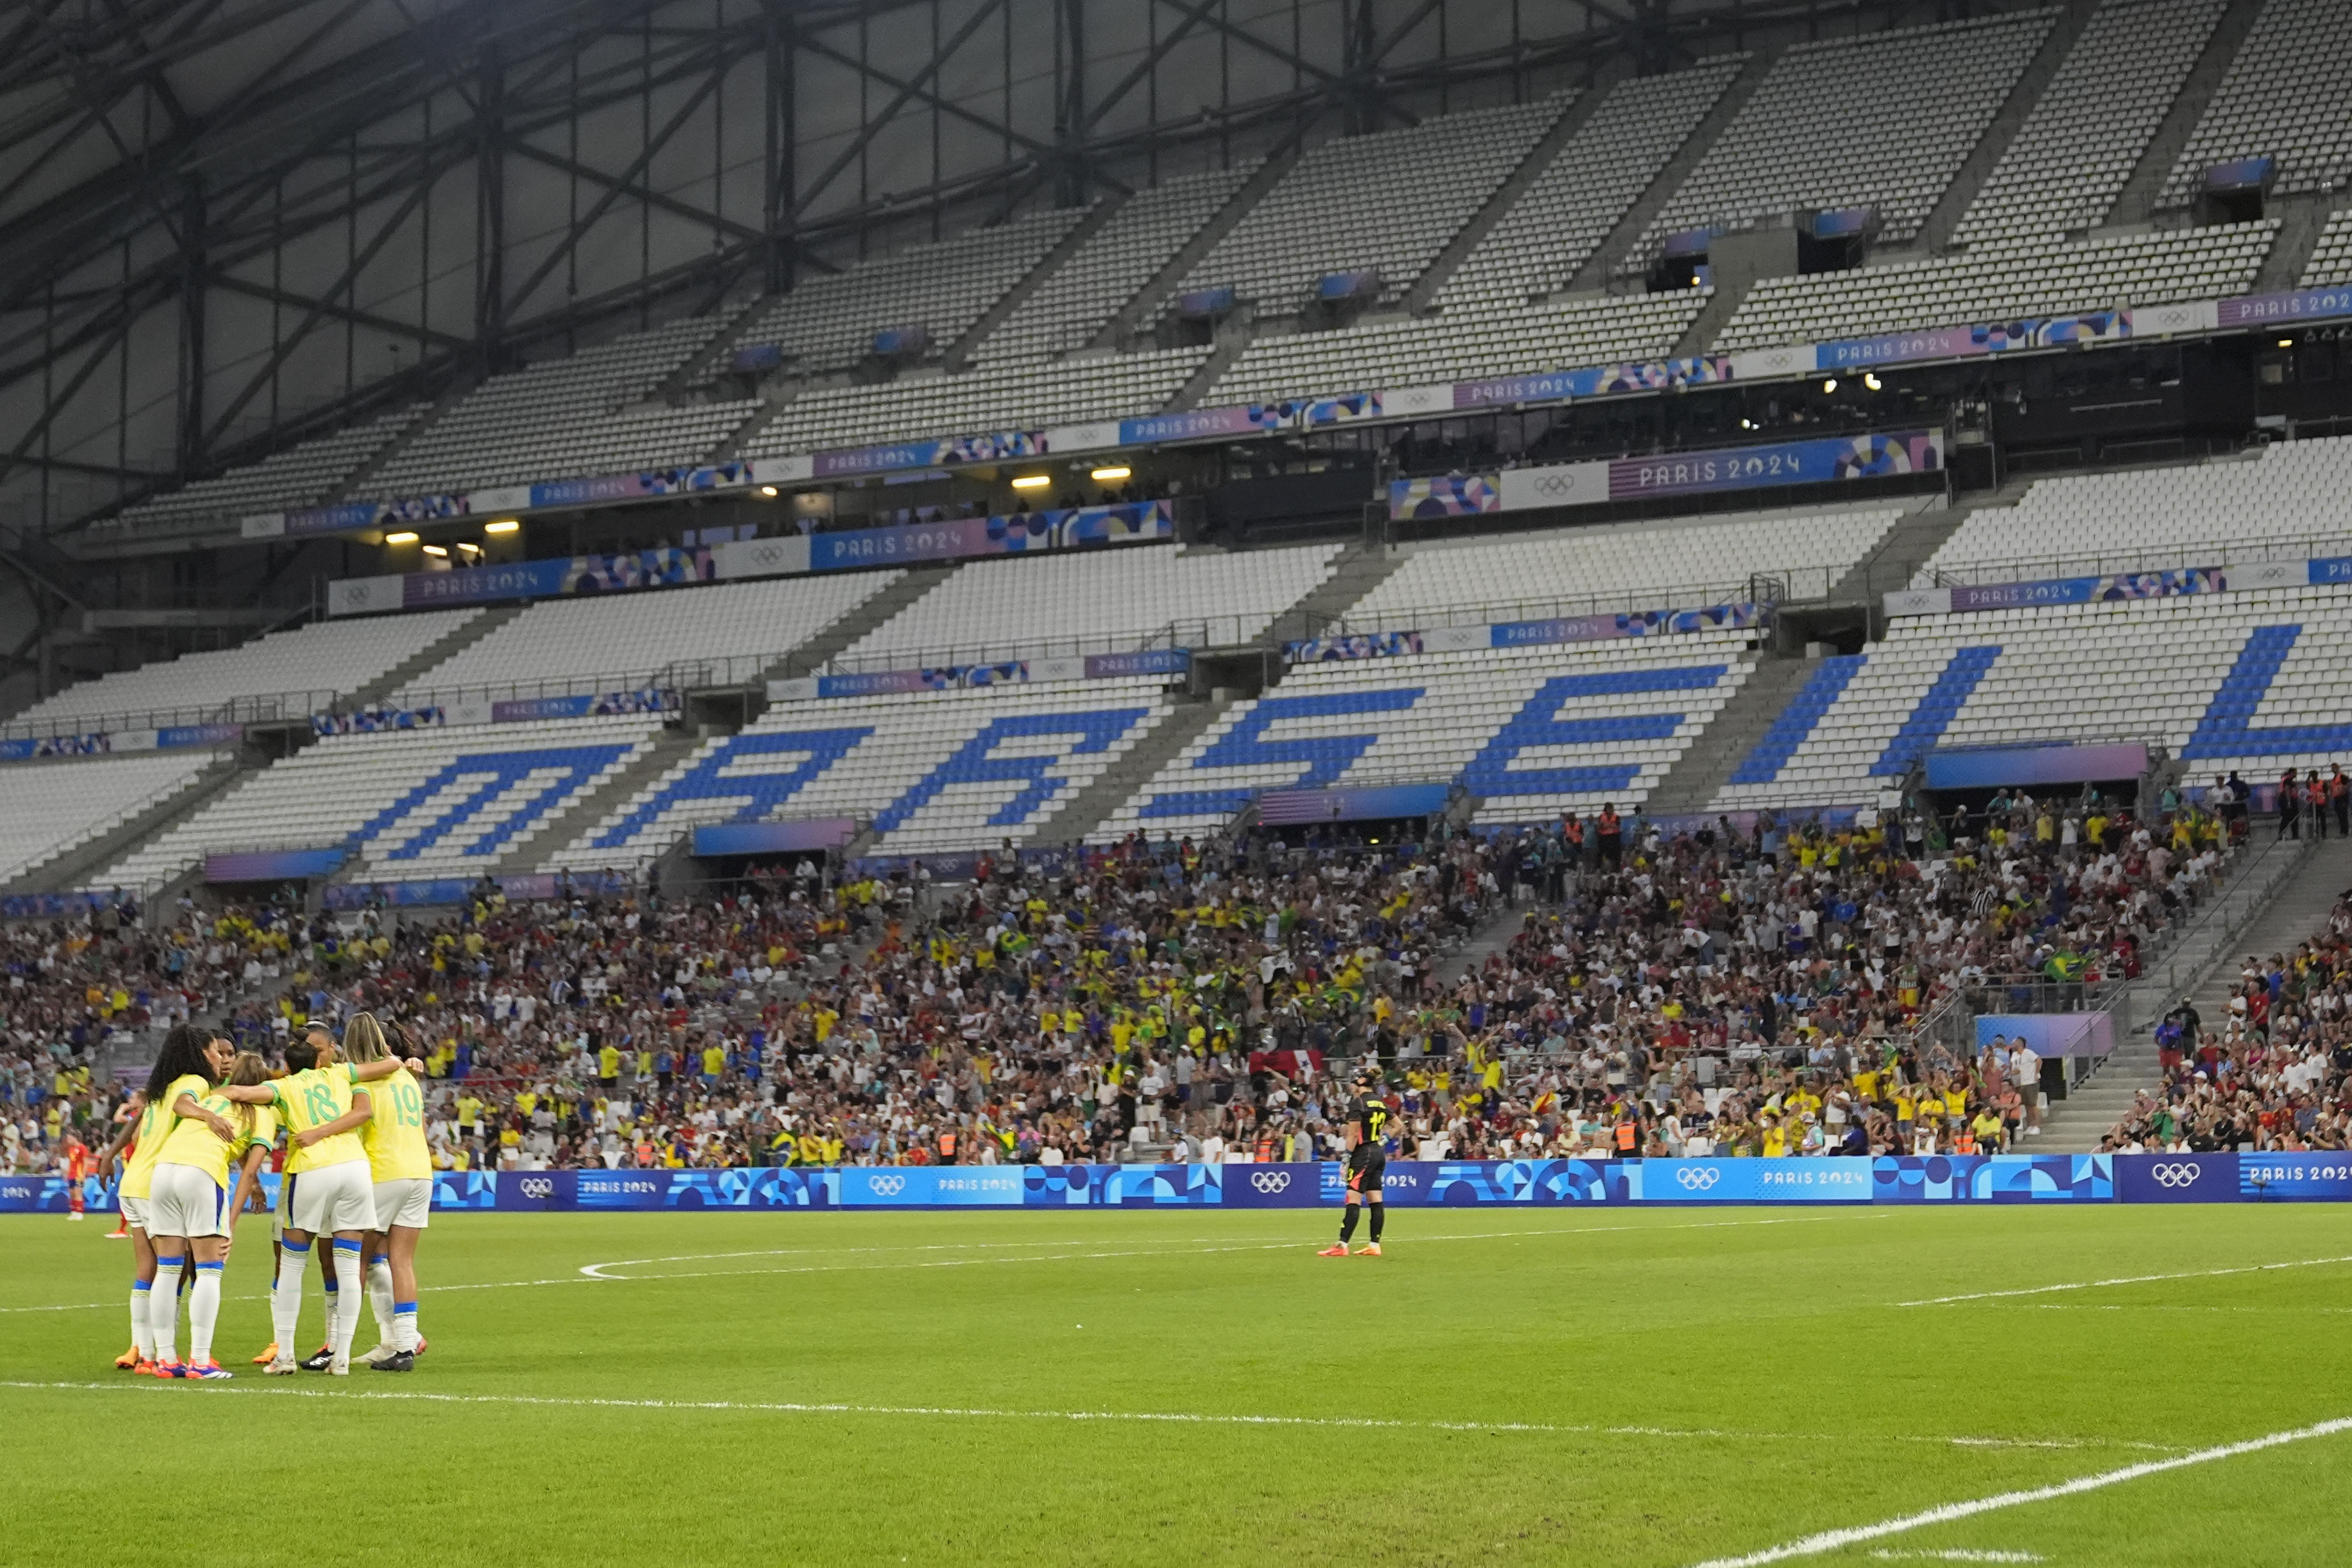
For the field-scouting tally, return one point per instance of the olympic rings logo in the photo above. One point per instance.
(2175, 1176)
(537, 1187)
(888, 1186)
(1270, 1181)
(1699, 1180)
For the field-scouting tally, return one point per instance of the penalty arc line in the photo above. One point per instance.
(2127, 1279)
(1837, 1539)
(1150, 1418)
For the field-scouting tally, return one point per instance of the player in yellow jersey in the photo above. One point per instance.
(326, 1189)
(401, 1166)
(186, 1054)
(191, 1209)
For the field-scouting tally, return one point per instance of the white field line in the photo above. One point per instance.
(1957, 1554)
(1155, 1417)
(1837, 1539)
(2126, 1280)
(588, 1272)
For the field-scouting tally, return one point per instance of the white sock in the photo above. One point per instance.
(404, 1326)
(141, 1334)
(203, 1312)
(347, 1290)
(379, 1286)
(163, 1311)
(286, 1301)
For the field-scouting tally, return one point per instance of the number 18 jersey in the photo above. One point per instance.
(310, 1099)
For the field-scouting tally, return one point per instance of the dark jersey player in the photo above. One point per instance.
(1368, 1162)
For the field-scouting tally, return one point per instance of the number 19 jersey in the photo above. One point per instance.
(395, 1135)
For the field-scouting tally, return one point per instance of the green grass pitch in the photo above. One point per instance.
(1541, 1386)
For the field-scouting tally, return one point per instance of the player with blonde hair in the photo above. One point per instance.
(402, 1165)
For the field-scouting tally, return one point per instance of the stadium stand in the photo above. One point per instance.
(303, 476)
(1530, 731)
(320, 663)
(2283, 99)
(56, 807)
(566, 418)
(2293, 502)
(931, 770)
(621, 644)
(411, 802)
(1313, 222)
(828, 320)
(1129, 251)
(1439, 582)
(2250, 680)
(1885, 120)
(2076, 151)
(2001, 282)
(1115, 599)
(1554, 228)
(2331, 259)
(1004, 396)
(1468, 341)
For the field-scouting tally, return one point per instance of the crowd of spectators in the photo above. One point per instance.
(2273, 1074)
(1758, 989)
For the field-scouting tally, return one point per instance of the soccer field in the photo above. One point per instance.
(1538, 1385)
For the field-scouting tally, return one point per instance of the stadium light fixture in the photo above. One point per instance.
(2286, 342)
(437, 549)
(1112, 475)
(402, 538)
(1830, 385)
(503, 526)
(1033, 481)
(1870, 380)
(769, 491)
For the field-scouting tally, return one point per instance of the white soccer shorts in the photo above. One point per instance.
(134, 1209)
(184, 1201)
(408, 1202)
(331, 1198)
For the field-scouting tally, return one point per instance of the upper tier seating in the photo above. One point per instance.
(956, 769)
(2292, 501)
(828, 320)
(1088, 288)
(1469, 342)
(2284, 98)
(2001, 283)
(564, 419)
(322, 661)
(2331, 259)
(409, 802)
(304, 475)
(1598, 562)
(54, 807)
(1010, 395)
(1555, 226)
(1116, 598)
(1532, 731)
(2253, 680)
(1424, 183)
(2074, 154)
(577, 645)
(1884, 121)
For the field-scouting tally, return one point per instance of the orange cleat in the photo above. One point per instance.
(1369, 1249)
(144, 1369)
(128, 1359)
(267, 1356)
(1339, 1250)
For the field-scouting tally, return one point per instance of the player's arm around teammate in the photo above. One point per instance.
(190, 1205)
(183, 1203)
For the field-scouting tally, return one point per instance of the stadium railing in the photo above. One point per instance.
(261, 708)
(2156, 557)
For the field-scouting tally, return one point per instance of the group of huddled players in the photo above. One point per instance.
(357, 1181)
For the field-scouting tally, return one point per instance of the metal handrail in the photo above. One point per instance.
(2170, 558)
(250, 709)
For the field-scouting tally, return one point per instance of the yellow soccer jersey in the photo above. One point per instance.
(194, 1143)
(312, 1098)
(155, 1131)
(395, 1135)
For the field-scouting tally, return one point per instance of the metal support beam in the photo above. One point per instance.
(490, 216)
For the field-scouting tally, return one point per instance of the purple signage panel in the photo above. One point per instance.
(1784, 463)
(2300, 305)
(272, 865)
(1985, 768)
(1252, 419)
(774, 838)
(1298, 808)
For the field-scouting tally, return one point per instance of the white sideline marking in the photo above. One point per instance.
(2127, 1279)
(1188, 1418)
(588, 1272)
(1958, 1554)
(1835, 1540)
